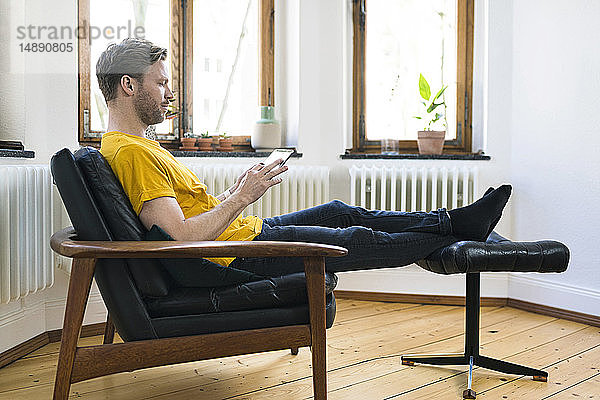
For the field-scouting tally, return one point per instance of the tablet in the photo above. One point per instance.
(284, 154)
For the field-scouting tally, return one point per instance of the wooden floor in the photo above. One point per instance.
(364, 349)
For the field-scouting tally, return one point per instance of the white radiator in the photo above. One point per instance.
(26, 224)
(410, 188)
(31, 210)
(302, 187)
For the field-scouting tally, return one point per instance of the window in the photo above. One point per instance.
(393, 44)
(230, 40)
(111, 21)
(234, 99)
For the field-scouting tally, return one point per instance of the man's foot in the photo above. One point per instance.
(476, 221)
(495, 222)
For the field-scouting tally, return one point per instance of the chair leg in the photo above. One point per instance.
(510, 368)
(471, 355)
(109, 330)
(435, 359)
(80, 282)
(469, 393)
(315, 286)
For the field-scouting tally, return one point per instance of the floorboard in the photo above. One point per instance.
(364, 349)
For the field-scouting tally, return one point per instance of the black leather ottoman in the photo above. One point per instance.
(497, 254)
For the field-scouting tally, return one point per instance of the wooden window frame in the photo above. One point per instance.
(463, 142)
(182, 55)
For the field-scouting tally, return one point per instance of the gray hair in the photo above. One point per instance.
(131, 57)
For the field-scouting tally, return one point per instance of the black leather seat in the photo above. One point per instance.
(498, 254)
(143, 300)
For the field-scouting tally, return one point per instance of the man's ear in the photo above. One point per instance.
(128, 85)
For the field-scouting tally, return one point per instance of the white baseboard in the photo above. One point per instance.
(534, 289)
(94, 312)
(518, 286)
(415, 280)
(26, 318)
(21, 321)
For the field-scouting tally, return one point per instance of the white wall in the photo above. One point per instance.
(535, 79)
(38, 95)
(555, 135)
(38, 105)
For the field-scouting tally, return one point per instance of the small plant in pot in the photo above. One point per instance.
(429, 140)
(188, 142)
(225, 142)
(205, 142)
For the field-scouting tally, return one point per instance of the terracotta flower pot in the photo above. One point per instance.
(215, 142)
(205, 144)
(226, 144)
(188, 144)
(431, 142)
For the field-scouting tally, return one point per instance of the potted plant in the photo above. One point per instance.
(188, 142)
(225, 142)
(431, 141)
(205, 142)
(215, 142)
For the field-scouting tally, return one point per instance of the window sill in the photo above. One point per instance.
(480, 157)
(231, 154)
(17, 153)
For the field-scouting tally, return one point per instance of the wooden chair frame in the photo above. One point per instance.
(77, 364)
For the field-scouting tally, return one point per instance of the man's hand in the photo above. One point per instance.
(255, 182)
(232, 189)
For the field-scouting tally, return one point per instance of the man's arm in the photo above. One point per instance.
(166, 213)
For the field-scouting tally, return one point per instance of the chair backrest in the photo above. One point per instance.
(122, 222)
(78, 184)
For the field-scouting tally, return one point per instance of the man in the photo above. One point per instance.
(134, 81)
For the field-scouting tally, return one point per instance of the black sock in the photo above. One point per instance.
(476, 221)
(495, 222)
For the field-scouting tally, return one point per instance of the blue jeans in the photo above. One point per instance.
(374, 239)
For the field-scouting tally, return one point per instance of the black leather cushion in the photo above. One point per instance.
(79, 202)
(283, 291)
(201, 287)
(239, 320)
(498, 254)
(123, 223)
(112, 275)
(198, 272)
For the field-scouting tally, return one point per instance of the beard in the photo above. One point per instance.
(147, 109)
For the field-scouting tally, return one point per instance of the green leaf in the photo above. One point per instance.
(424, 89)
(437, 96)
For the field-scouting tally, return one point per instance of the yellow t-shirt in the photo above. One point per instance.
(148, 171)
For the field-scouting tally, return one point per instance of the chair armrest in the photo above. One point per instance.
(63, 242)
